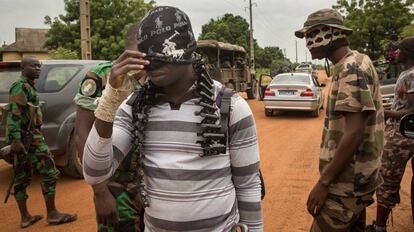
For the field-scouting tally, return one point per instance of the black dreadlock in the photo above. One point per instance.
(214, 140)
(145, 98)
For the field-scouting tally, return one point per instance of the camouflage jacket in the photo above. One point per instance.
(92, 86)
(23, 105)
(91, 89)
(404, 86)
(355, 88)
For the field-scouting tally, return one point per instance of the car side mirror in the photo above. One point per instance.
(323, 85)
(407, 126)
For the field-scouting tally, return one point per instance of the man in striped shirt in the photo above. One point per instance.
(189, 180)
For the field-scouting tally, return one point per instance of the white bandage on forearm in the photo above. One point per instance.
(111, 99)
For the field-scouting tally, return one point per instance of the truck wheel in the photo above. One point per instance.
(74, 162)
(251, 93)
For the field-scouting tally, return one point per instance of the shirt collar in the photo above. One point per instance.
(28, 80)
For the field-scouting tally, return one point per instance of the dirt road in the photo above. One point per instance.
(289, 147)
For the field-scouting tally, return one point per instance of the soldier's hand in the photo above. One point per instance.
(105, 206)
(317, 198)
(17, 147)
(128, 61)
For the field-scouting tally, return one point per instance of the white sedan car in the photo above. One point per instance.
(294, 92)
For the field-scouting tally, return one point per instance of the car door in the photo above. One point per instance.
(55, 98)
(318, 87)
(264, 81)
(9, 73)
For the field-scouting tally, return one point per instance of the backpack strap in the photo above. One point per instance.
(223, 102)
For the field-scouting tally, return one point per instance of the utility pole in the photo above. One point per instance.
(306, 56)
(296, 46)
(252, 66)
(85, 30)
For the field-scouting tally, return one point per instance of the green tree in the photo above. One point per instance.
(235, 30)
(229, 29)
(62, 54)
(110, 20)
(266, 56)
(373, 21)
(408, 31)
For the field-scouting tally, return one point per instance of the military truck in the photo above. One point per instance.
(228, 64)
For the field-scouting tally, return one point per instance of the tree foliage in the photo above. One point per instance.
(373, 21)
(63, 54)
(235, 30)
(109, 20)
(270, 56)
(229, 29)
(408, 31)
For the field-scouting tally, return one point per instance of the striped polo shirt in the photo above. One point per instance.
(187, 192)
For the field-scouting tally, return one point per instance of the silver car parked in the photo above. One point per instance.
(293, 92)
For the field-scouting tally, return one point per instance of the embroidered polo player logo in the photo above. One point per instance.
(169, 48)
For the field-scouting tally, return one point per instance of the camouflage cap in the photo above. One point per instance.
(328, 17)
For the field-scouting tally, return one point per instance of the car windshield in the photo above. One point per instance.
(57, 77)
(304, 66)
(289, 79)
(7, 77)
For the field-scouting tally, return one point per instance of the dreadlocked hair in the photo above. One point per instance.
(145, 98)
(214, 140)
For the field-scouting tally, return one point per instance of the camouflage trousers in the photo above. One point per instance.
(129, 211)
(398, 151)
(342, 214)
(39, 161)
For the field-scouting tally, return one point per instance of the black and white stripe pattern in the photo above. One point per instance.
(187, 192)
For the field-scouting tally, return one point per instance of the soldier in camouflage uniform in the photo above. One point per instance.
(123, 184)
(352, 140)
(92, 85)
(32, 155)
(391, 53)
(398, 149)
